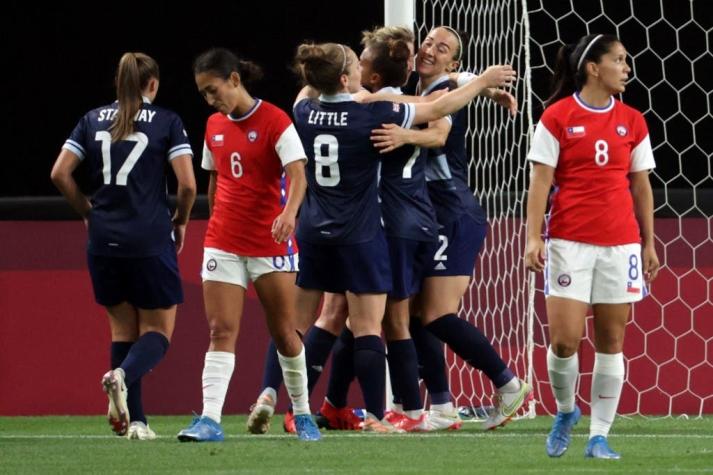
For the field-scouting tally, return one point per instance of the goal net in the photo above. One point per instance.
(669, 341)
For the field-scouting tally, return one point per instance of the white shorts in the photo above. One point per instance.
(221, 266)
(594, 274)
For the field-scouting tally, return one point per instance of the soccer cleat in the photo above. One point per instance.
(260, 414)
(202, 429)
(115, 389)
(507, 406)
(407, 424)
(392, 417)
(306, 429)
(289, 422)
(340, 419)
(598, 448)
(440, 420)
(372, 424)
(560, 434)
(140, 431)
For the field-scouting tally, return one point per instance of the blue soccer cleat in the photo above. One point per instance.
(202, 429)
(598, 448)
(307, 430)
(560, 435)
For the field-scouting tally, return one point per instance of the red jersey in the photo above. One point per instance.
(593, 150)
(249, 153)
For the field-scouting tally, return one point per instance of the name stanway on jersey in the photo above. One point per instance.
(341, 206)
(249, 153)
(593, 150)
(130, 215)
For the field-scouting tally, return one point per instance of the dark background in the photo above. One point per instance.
(60, 59)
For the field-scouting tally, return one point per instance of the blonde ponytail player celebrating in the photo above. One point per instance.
(599, 243)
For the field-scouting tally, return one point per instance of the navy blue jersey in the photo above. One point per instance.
(130, 215)
(405, 206)
(447, 169)
(341, 205)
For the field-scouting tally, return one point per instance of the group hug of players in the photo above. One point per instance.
(388, 230)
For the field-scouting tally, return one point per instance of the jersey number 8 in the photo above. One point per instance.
(601, 152)
(326, 150)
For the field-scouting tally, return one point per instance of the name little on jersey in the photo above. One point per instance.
(143, 115)
(327, 118)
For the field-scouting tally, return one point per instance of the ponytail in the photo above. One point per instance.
(132, 77)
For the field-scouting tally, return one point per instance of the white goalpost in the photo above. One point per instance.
(669, 342)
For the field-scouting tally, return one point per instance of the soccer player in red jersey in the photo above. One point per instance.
(251, 149)
(599, 247)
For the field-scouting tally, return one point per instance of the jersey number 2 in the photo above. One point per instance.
(123, 175)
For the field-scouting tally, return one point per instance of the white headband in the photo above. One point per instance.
(344, 63)
(584, 53)
(460, 42)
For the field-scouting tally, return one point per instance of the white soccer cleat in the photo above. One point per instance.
(508, 405)
(115, 389)
(441, 420)
(140, 431)
(260, 414)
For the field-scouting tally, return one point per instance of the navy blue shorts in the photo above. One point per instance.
(408, 262)
(458, 245)
(144, 282)
(358, 268)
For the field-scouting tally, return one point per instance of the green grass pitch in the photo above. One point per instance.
(71, 444)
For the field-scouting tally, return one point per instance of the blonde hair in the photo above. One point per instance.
(132, 76)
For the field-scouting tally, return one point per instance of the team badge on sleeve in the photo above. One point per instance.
(396, 106)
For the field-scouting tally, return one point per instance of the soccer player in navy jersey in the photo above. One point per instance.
(343, 244)
(464, 226)
(133, 240)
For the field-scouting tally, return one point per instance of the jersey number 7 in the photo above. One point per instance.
(105, 138)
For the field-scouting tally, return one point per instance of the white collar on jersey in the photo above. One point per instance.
(429, 89)
(250, 112)
(389, 90)
(338, 97)
(146, 100)
(598, 110)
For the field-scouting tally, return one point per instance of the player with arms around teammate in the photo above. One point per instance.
(251, 150)
(131, 252)
(343, 244)
(599, 247)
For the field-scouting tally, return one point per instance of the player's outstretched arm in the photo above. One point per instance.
(540, 181)
(391, 136)
(62, 178)
(185, 197)
(494, 76)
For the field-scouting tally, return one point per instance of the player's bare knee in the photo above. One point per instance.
(564, 349)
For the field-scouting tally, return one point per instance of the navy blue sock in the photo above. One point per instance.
(272, 372)
(342, 372)
(318, 345)
(403, 367)
(143, 356)
(470, 344)
(119, 350)
(431, 362)
(370, 369)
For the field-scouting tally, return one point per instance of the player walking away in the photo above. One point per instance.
(250, 145)
(463, 229)
(342, 242)
(599, 243)
(133, 240)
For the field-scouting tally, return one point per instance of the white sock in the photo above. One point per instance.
(294, 373)
(607, 381)
(446, 408)
(398, 408)
(563, 379)
(511, 386)
(217, 371)
(270, 393)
